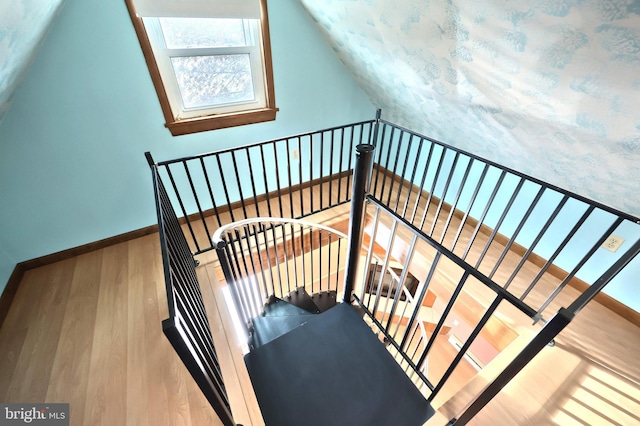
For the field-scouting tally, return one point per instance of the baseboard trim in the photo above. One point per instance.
(604, 299)
(11, 289)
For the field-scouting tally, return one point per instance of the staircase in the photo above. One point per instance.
(316, 362)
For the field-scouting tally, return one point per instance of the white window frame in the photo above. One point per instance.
(163, 56)
(181, 120)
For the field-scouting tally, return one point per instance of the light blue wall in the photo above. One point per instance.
(72, 168)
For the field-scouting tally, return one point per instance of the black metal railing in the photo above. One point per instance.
(267, 257)
(442, 220)
(446, 193)
(187, 327)
(292, 177)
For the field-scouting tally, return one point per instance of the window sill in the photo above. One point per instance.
(221, 121)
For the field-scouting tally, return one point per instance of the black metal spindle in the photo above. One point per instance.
(320, 264)
(321, 177)
(265, 179)
(277, 258)
(454, 205)
(402, 177)
(372, 241)
(224, 188)
(254, 192)
(277, 177)
(581, 263)
(402, 279)
(413, 176)
(243, 282)
(196, 199)
(394, 174)
(465, 347)
(213, 201)
(259, 253)
(378, 163)
(311, 189)
(463, 221)
(444, 194)
(492, 197)
(239, 183)
(233, 280)
(536, 240)
(311, 255)
(432, 190)
(182, 208)
(443, 318)
(300, 178)
(423, 292)
(558, 250)
(385, 266)
(516, 232)
(386, 164)
(422, 182)
(494, 232)
(254, 287)
(304, 252)
(341, 166)
(290, 190)
(331, 168)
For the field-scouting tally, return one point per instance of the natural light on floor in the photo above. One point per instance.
(237, 325)
(602, 397)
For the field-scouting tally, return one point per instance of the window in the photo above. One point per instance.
(209, 60)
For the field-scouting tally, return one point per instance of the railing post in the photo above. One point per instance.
(542, 339)
(361, 180)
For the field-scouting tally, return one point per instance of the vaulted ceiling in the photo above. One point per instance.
(548, 87)
(23, 26)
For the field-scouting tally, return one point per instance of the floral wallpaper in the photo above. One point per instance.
(548, 87)
(23, 25)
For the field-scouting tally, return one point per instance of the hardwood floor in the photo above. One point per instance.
(87, 331)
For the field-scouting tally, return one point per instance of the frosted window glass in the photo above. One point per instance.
(206, 81)
(188, 33)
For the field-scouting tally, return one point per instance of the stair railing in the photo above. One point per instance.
(272, 257)
(441, 190)
(187, 327)
(296, 177)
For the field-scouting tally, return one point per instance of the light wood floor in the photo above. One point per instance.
(87, 331)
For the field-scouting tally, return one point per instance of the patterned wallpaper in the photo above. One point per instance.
(23, 25)
(548, 87)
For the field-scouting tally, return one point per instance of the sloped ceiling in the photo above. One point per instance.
(548, 87)
(23, 25)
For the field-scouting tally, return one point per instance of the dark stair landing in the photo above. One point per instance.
(332, 371)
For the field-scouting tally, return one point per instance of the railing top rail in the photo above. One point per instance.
(540, 182)
(504, 294)
(255, 144)
(217, 235)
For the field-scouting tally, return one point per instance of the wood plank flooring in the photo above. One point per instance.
(87, 331)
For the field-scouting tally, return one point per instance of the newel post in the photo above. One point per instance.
(361, 180)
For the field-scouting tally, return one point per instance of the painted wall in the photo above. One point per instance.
(72, 168)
